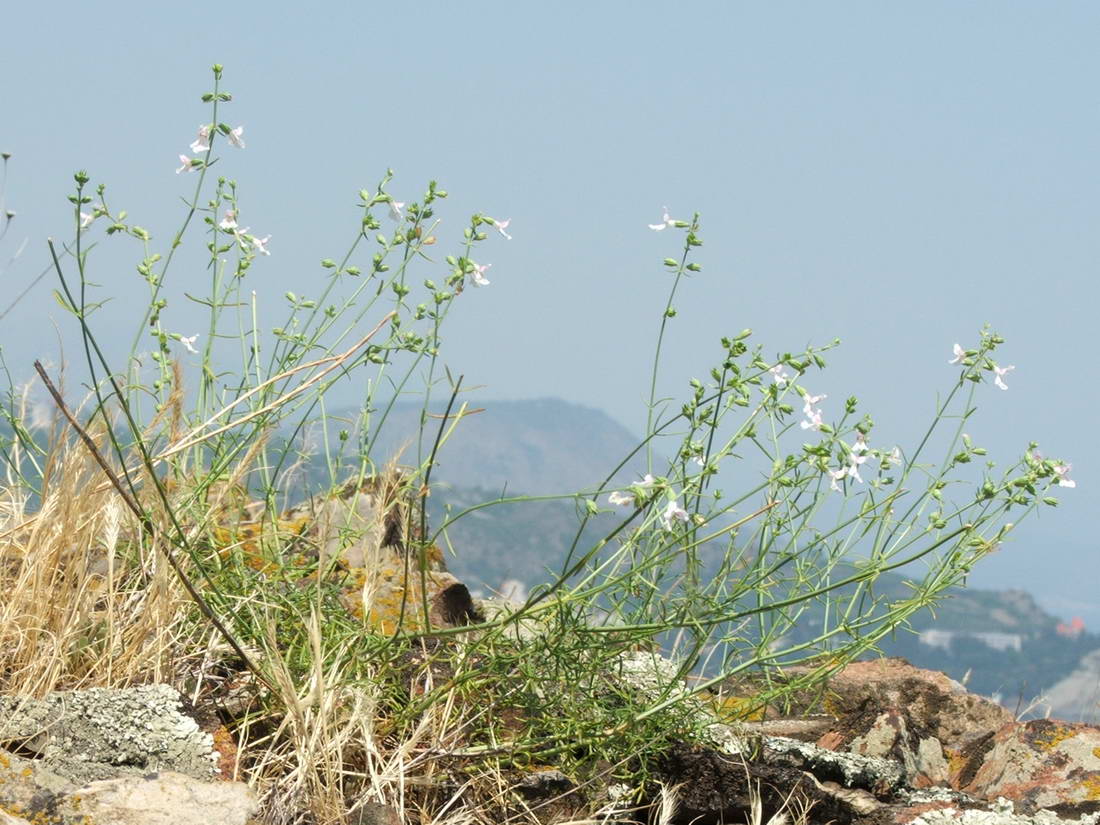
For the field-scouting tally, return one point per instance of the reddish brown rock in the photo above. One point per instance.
(1040, 765)
(932, 703)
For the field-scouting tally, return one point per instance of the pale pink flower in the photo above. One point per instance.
(810, 400)
(501, 226)
(779, 376)
(618, 499)
(960, 353)
(895, 456)
(260, 243)
(185, 164)
(673, 512)
(861, 444)
(235, 137)
(1062, 471)
(229, 222)
(395, 210)
(999, 374)
(86, 219)
(202, 143)
(813, 420)
(479, 275)
(627, 499)
(189, 342)
(836, 476)
(855, 461)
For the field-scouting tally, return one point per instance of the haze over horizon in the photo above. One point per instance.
(895, 176)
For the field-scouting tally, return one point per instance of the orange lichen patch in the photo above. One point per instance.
(226, 748)
(1096, 752)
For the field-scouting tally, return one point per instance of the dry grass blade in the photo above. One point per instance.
(149, 527)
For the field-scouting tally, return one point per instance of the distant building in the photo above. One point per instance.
(943, 639)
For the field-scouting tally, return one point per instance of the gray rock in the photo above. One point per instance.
(94, 734)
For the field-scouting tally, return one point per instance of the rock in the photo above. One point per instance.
(931, 703)
(97, 733)
(366, 533)
(906, 745)
(163, 799)
(1042, 764)
(34, 793)
(29, 789)
(1000, 812)
(715, 788)
(544, 784)
(375, 813)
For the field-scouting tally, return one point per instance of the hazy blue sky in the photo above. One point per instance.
(893, 174)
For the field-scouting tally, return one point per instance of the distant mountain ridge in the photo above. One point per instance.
(543, 446)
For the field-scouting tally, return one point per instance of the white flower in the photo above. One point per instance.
(999, 374)
(479, 274)
(960, 353)
(673, 512)
(185, 164)
(229, 221)
(895, 456)
(665, 221)
(86, 219)
(395, 210)
(235, 137)
(260, 243)
(202, 143)
(779, 376)
(189, 342)
(1062, 471)
(861, 444)
(647, 481)
(851, 471)
(699, 460)
(501, 226)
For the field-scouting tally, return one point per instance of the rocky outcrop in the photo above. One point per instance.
(895, 745)
(94, 734)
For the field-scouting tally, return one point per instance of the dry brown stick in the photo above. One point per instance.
(149, 528)
(334, 361)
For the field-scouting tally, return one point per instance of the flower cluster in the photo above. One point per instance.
(813, 414)
(965, 357)
(202, 144)
(671, 514)
(229, 224)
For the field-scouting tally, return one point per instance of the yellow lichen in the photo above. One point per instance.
(1048, 740)
(1092, 787)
